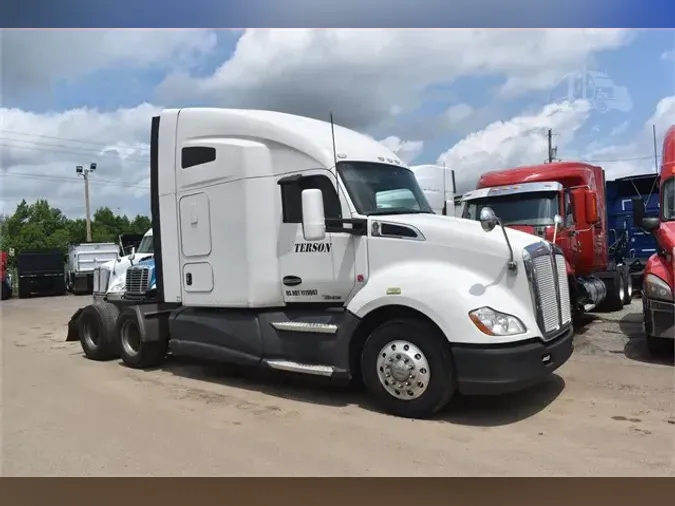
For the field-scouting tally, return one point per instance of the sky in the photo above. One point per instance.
(474, 100)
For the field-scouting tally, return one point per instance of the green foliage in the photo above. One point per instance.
(38, 226)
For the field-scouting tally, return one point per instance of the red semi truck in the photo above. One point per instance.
(564, 203)
(658, 285)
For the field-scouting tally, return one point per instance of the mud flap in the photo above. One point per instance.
(73, 332)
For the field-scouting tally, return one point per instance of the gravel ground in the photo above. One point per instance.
(609, 411)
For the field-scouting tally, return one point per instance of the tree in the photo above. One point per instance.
(40, 226)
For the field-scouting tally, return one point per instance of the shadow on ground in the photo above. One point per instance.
(636, 347)
(479, 411)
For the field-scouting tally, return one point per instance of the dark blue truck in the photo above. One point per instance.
(627, 241)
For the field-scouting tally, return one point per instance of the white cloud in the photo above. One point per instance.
(359, 74)
(668, 55)
(37, 59)
(407, 151)
(518, 141)
(40, 152)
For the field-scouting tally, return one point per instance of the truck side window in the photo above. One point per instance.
(291, 198)
(196, 155)
(569, 214)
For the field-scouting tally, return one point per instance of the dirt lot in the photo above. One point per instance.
(608, 411)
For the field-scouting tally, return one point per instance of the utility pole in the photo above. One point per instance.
(84, 172)
(550, 145)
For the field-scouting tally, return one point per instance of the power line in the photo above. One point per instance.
(55, 137)
(49, 177)
(68, 150)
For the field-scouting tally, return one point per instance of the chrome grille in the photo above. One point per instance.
(137, 280)
(563, 283)
(545, 279)
(545, 267)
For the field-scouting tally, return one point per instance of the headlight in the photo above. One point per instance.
(118, 287)
(654, 287)
(494, 323)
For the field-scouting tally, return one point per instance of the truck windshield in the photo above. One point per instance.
(379, 188)
(668, 205)
(535, 209)
(146, 245)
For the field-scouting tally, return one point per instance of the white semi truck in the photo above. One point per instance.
(270, 250)
(109, 279)
(438, 184)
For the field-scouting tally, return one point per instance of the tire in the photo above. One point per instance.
(6, 291)
(410, 336)
(134, 352)
(96, 328)
(615, 283)
(628, 286)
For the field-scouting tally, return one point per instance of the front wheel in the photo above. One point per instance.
(134, 351)
(408, 368)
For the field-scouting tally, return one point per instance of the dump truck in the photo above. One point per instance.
(83, 259)
(41, 272)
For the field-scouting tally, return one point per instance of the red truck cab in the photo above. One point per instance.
(659, 281)
(564, 203)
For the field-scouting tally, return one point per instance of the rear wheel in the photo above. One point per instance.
(135, 352)
(96, 327)
(408, 368)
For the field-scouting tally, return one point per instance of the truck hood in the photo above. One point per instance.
(462, 232)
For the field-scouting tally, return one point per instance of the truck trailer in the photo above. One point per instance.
(41, 272)
(564, 203)
(83, 259)
(658, 305)
(628, 242)
(438, 184)
(270, 250)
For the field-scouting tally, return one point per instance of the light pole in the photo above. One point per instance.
(84, 172)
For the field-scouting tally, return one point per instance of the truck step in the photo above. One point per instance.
(311, 327)
(286, 365)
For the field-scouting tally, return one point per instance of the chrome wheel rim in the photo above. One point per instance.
(90, 332)
(622, 289)
(131, 338)
(629, 288)
(403, 370)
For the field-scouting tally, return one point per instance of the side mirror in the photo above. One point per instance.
(638, 211)
(592, 215)
(488, 219)
(133, 254)
(650, 224)
(313, 215)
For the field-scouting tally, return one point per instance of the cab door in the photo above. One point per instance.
(569, 240)
(313, 271)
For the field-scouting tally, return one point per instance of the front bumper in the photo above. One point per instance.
(659, 318)
(497, 369)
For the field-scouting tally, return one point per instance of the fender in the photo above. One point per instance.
(423, 286)
(73, 331)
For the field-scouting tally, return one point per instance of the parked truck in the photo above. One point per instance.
(41, 272)
(270, 250)
(5, 277)
(109, 279)
(564, 203)
(658, 286)
(83, 259)
(629, 241)
(438, 184)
